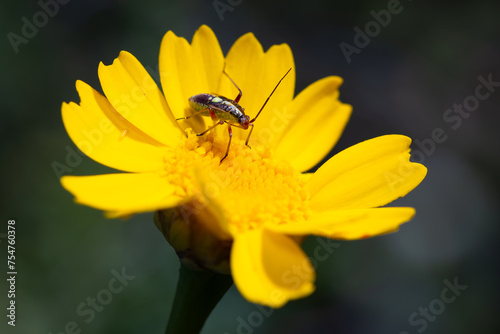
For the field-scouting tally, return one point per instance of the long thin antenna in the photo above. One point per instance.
(269, 97)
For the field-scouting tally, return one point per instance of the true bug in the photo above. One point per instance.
(223, 110)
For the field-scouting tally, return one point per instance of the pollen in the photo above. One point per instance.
(250, 187)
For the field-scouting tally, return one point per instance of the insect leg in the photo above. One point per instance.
(248, 138)
(192, 115)
(214, 118)
(210, 128)
(230, 131)
(237, 99)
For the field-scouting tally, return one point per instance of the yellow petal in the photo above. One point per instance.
(257, 73)
(187, 70)
(207, 54)
(135, 95)
(216, 218)
(271, 122)
(126, 193)
(350, 224)
(103, 134)
(369, 174)
(317, 121)
(270, 268)
(305, 176)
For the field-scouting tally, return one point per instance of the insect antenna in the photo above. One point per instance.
(270, 95)
(253, 120)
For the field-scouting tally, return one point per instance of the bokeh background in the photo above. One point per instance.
(427, 59)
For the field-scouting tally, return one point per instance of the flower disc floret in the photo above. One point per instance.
(250, 187)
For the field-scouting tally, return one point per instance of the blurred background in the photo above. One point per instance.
(402, 77)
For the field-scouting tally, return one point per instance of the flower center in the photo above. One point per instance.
(249, 186)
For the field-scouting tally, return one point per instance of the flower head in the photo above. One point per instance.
(248, 214)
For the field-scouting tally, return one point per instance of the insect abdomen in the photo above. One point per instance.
(200, 102)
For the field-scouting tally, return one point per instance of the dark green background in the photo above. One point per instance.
(424, 61)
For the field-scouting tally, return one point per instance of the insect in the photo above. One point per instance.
(223, 110)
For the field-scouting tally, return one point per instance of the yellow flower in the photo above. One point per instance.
(258, 202)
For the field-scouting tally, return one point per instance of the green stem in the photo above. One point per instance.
(197, 294)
